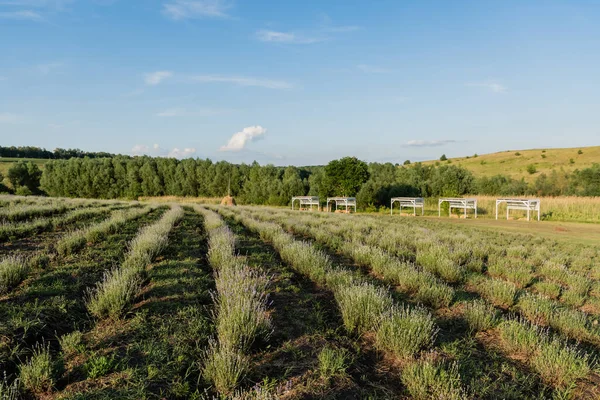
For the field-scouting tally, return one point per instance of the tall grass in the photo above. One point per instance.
(428, 379)
(364, 307)
(558, 363)
(13, 269)
(240, 312)
(119, 287)
(76, 240)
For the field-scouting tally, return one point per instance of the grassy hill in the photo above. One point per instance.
(515, 163)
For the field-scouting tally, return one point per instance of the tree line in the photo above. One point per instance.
(373, 184)
(57, 154)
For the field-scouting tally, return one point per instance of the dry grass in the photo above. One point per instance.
(181, 199)
(516, 165)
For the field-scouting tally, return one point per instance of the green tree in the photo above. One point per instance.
(443, 157)
(25, 174)
(345, 176)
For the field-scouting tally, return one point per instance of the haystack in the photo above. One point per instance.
(228, 201)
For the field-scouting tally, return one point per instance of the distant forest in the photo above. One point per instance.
(57, 154)
(372, 183)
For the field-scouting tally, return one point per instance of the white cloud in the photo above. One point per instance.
(492, 86)
(9, 118)
(428, 143)
(157, 151)
(154, 78)
(177, 153)
(187, 9)
(139, 149)
(372, 69)
(243, 81)
(286, 37)
(21, 15)
(239, 140)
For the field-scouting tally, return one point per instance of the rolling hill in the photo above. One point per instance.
(517, 163)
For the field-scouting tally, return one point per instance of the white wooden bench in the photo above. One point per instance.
(409, 202)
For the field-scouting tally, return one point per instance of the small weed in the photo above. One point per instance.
(332, 362)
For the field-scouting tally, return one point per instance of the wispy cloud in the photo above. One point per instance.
(243, 81)
(428, 143)
(491, 86)
(9, 118)
(187, 9)
(372, 69)
(21, 15)
(239, 140)
(31, 10)
(286, 37)
(327, 25)
(154, 78)
(47, 68)
(184, 112)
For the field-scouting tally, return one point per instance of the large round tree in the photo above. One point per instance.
(345, 176)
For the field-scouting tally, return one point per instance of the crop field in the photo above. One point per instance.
(149, 300)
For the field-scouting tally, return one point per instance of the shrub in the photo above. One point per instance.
(406, 331)
(517, 154)
(13, 270)
(332, 362)
(520, 337)
(97, 366)
(531, 169)
(537, 309)
(362, 306)
(224, 367)
(39, 373)
(543, 156)
(548, 289)
(559, 364)
(241, 306)
(114, 293)
(72, 343)
(71, 243)
(406, 162)
(500, 293)
(571, 161)
(480, 316)
(427, 380)
(579, 152)
(443, 157)
(23, 191)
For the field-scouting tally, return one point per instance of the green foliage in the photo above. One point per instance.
(25, 174)
(225, 367)
(531, 169)
(13, 270)
(579, 152)
(332, 362)
(406, 162)
(345, 176)
(480, 315)
(23, 191)
(428, 379)
(99, 365)
(517, 154)
(362, 306)
(40, 372)
(406, 331)
(72, 343)
(443, 157)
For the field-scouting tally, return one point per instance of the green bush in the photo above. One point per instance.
(531, 169)
(332, 362)
(40, 372)
(406, 331)
(362, 306)
(97, 366)
(480, 316)
(13, 270)
(72, 343)
(427, 379)
(225, 367)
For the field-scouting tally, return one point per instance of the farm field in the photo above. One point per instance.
(514, 163)
(115, 299)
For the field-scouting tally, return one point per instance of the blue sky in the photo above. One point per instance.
(299, 82)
